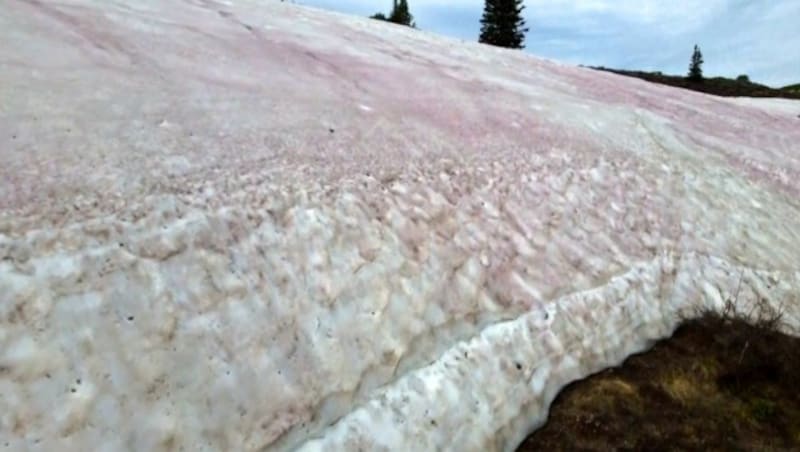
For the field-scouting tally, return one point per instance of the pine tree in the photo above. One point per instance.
(502, 24)
(400, 14)
(696, 66)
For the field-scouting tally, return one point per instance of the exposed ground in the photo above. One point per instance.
(717, 384)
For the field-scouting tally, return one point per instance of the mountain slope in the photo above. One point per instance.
(255, 226)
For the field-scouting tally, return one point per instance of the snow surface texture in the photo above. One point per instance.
(254, 226)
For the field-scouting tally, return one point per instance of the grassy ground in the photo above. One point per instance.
(717, 384)
(719, 86)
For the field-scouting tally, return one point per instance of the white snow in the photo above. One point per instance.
(204, 245)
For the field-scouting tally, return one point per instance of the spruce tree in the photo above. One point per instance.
(400, 14)
(696, 66)
(502, 24)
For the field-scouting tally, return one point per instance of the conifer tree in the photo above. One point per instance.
(696, 66)
(400, 13)
(502, 24)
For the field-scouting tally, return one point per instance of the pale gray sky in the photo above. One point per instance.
(760, 38)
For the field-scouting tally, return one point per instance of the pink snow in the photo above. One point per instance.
(248, 225)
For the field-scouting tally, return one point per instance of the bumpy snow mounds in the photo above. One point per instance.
(253, 226)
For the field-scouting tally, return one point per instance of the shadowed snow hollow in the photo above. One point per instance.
(253, 226)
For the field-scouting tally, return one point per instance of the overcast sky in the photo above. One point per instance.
(760, 38)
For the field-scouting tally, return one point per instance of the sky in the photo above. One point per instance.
(760, 38)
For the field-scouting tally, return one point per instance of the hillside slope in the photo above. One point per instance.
(792, 88)
(254, 226)
(718, 86)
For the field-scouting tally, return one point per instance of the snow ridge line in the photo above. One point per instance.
(499, 385)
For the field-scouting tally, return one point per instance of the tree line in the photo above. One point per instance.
(503, 25)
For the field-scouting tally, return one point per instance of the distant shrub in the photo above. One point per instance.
(743, 78)
(718, 86)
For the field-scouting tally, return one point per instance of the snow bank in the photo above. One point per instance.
(250, 225)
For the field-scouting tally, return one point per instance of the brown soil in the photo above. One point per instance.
(717, 384)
